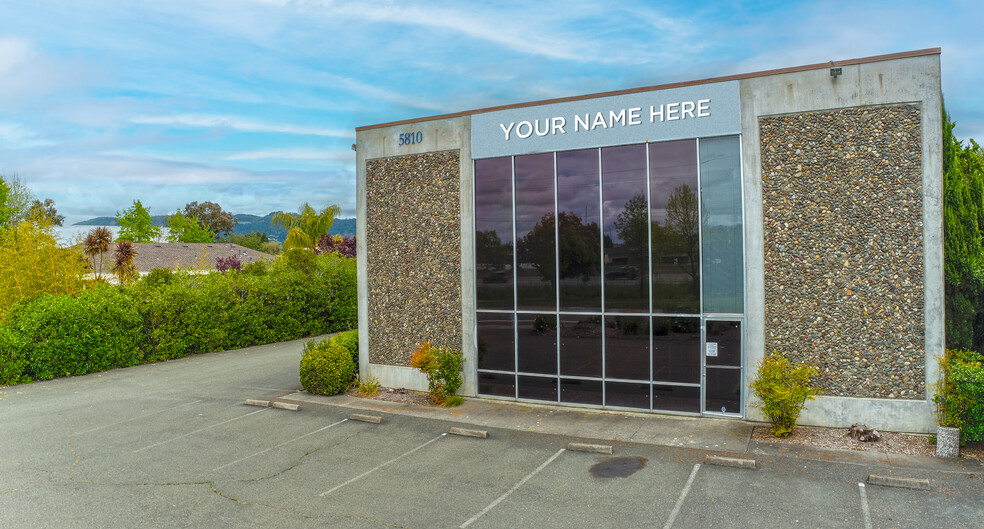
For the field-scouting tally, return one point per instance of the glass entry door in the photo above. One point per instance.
(723, 377)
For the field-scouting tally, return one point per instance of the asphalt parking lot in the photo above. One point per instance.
(174, 445)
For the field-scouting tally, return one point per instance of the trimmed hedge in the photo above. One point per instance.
(65, 335)
(12, 361)
(169, 315)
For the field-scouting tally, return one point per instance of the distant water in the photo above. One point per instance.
(69, 235)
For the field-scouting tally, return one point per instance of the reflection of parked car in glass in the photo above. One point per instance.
(495, 277)
(622, 272)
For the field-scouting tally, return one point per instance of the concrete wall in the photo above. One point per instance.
(383, 355)
(910, 80)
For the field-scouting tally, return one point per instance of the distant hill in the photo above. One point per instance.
(247, 224)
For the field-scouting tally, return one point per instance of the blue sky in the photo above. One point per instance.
(253, 103)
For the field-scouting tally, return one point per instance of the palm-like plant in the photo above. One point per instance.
(97, 243)
(124, 269)
(305, 229)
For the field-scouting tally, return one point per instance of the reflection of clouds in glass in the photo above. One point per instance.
(623, 175)
(577, 184)
(493, 196)
(534, 190)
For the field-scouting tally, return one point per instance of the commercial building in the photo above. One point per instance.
(645, 248)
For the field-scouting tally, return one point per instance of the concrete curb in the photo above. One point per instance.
(465, 432)
(585, 447)
(732, 462)
(260, 403)
(901, 483)
(374, 419)
(286, 406)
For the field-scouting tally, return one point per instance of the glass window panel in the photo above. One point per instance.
(627, 347)
(676, 350)
(497, 384)
(675, 226)
(536, 238)
(581, 391)
(538, 388)
(494, 233)
(537, 335)
(496, 342)
(727, 336)
(626, 225)
(723, 391)
(580, 345)
(721, 224)
(578, 201)
(676, 398)
(627, 394)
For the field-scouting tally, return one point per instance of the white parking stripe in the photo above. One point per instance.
(364, 474)
(144, 416)
(516, 486)
(864, 506)
(200, 430)
(278, 446)
(683, 496)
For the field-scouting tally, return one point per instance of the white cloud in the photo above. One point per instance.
(209, 121)
(13, 52)
(17, 136)
(347, 157)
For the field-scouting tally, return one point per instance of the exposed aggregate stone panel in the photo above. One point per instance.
(413, 254)
(843, 230)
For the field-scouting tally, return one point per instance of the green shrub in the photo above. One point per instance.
(158, 277)
(256, 268)
(784, 388)
(12, 361)
(350, 341)
(960, 393)
(326, 368)
(443, 369)
(64, 335)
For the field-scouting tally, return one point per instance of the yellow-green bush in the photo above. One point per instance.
(784, 387)
(33, 264)
(326, 368)
(443, 369)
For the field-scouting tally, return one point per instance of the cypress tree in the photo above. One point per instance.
(963, 218)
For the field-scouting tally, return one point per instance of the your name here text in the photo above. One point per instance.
(626, 117)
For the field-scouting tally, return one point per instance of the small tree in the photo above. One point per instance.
(97, 243)
(187, 229)
(45, 212)
(784, 388)
(136, 224)
(305, 229)
(211, 216)
(336, 244)
(125, 270)
(232, 262)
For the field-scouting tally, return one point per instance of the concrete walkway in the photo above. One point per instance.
(732, 436)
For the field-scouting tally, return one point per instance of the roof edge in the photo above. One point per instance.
(735, 77)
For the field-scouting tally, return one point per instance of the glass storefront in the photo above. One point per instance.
(605, 275)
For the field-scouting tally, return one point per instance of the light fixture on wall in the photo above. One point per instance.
(835, 70)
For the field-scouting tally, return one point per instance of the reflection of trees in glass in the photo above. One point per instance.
(580, 254)
(491, 251)
(682, 223)
(632, 227)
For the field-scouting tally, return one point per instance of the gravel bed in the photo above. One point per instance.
(838, 439)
